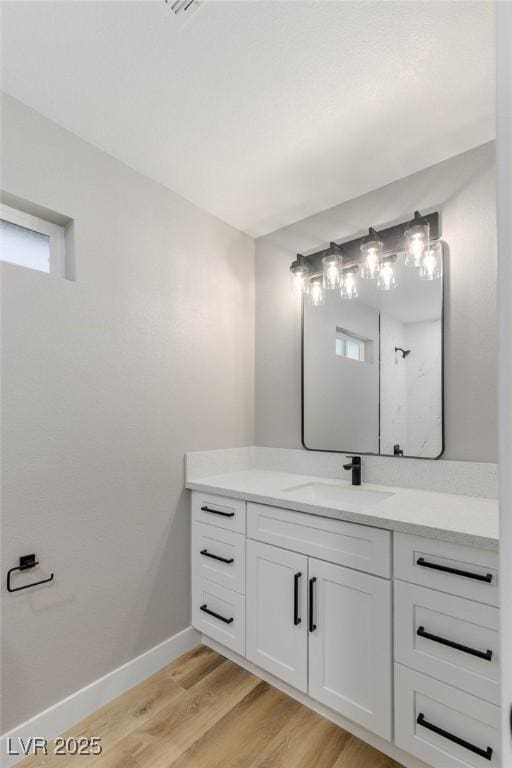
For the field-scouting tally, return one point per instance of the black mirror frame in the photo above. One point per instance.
(445, 263)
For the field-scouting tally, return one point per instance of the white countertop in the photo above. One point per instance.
(451, 517)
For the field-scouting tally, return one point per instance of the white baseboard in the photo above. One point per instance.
(389, 749)
(61, 716)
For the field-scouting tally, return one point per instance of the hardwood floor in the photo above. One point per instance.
(203, 711)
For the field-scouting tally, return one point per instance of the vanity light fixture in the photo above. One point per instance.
(349, 284)
(372, 249)
(386, 280)
(332, 266)
(316, 294)
(417, 239)
(430, 268)
(299, 273)
(371, 257)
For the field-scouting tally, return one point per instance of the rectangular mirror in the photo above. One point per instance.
(372, 368)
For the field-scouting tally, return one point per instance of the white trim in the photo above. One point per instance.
(404, 758)
(504, 207)
(61, 716)
(55, 232)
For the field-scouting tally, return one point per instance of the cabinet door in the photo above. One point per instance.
(350, 661)
(276, 619)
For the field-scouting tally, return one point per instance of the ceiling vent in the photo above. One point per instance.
(184, 8)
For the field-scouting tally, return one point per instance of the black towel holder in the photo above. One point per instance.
(25, 562)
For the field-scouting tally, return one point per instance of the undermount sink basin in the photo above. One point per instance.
(321, 493)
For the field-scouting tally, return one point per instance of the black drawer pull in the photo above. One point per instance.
(296, 618)
(204, 608)
(487, 655)
(312, 625)
(487, 577)
(227, 560)
(485, 753)
(217, 512)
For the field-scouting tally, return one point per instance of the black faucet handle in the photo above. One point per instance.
(355, 466)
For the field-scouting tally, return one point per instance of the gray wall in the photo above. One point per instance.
(463, 189)
(331, 423)
(107, 381)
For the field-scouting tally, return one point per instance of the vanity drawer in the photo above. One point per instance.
(218, 510)
(459, 570)
(450, 638)
(355, 546)
(220, 614)
(218, 555)
(443, 726)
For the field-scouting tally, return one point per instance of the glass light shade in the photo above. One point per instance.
(430, 268)
(331, 270)
(371, 260)
(349, 286)
(387, 279)
(417, 240)
(299, 276)
(316, 294)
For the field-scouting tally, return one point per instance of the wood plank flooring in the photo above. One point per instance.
(203, 711)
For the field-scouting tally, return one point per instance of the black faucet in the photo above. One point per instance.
(355, 466)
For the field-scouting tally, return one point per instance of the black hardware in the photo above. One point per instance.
(487, 655)
(204, 608)
(355, 466)
(312, 625)
(227, 560)
(397, 451)
(446, 569)
(296, 618)
(217, 512)
(485, 753)
(25, 562)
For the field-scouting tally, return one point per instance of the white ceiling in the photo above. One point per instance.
(260, 112)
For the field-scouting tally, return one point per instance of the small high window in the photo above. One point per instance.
(31, 242)
(350, 346)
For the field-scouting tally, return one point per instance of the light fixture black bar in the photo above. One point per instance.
(393, 238)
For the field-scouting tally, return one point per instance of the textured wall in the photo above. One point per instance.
(463, 189)
(107, 381)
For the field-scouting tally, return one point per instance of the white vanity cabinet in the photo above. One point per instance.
(312, 602)
(317, 600)
(324, 629)
(446, 653)
(350, 650)
(277, 609)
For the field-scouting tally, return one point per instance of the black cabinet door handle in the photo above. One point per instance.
(485, 753)
(312, 625)
(296, 618)
(204, 608)
(227, 560)
(217, 512)
(487, 577)
(487, 655)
